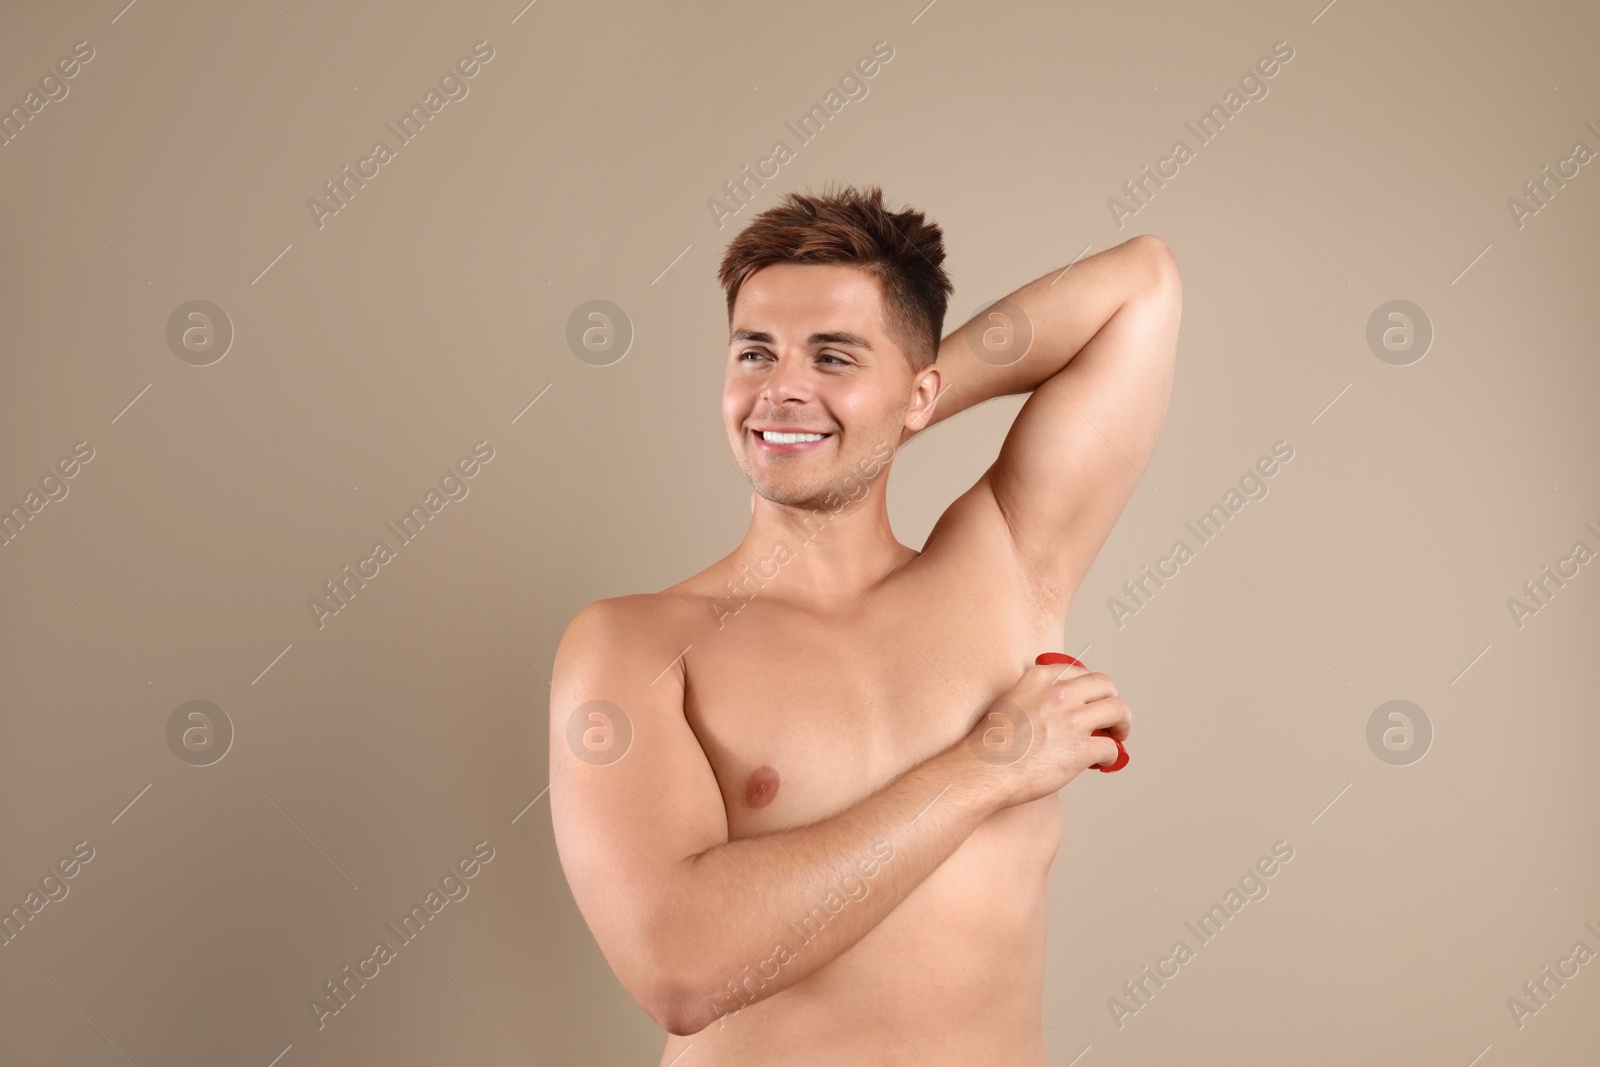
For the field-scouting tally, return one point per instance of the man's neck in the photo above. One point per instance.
(819, 557)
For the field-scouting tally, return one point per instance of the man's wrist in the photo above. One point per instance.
(978, 786)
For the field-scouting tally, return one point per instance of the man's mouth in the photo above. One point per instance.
(789, 440)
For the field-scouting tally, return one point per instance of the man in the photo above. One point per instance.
(805, 799)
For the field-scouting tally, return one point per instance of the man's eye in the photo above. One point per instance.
(758, 354)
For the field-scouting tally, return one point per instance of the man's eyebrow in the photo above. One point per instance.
(831, 337)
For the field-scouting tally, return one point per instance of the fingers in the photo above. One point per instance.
(1052, 673)
(1081, 686)
(1104, 750)
(1091, 696)
(1111, 714)
(1089, 705)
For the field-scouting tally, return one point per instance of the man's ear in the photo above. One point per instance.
(924, 393)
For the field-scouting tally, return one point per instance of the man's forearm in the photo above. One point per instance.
(756, 915)
(1054, 316)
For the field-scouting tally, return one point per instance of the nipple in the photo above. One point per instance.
(761, 788)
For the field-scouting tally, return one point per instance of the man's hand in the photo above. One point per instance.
(1039, 734)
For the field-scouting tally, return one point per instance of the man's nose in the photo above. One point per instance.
(786, 380)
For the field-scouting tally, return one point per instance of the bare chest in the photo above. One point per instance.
(803, 716)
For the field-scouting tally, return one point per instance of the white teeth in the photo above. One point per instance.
(789, 438)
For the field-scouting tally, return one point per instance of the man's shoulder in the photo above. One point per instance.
(666, 613)
(635, 626)
(624, 648)
(634, 611)
(629, 615)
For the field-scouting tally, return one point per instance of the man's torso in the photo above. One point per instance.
(804, 715)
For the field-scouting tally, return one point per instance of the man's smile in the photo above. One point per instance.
(789, 440)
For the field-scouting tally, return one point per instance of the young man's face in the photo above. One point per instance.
(809, 353)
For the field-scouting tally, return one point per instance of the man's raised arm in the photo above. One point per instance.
(683, 915)
(1096, 345)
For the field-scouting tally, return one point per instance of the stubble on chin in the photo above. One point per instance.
(801, 498)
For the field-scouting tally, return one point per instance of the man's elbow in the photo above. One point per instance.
(675, 988)
(679, 1022)
(1159, 264)
(679, 1012)
(684, 994)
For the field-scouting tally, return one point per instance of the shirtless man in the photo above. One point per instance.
(805, 799)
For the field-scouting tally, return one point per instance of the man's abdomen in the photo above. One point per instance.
(954, 974)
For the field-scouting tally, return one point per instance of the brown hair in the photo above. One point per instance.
(847, 225)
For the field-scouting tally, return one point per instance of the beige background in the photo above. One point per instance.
(370, 354)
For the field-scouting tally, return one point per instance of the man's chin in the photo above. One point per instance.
(799, 497)
(790, 497)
